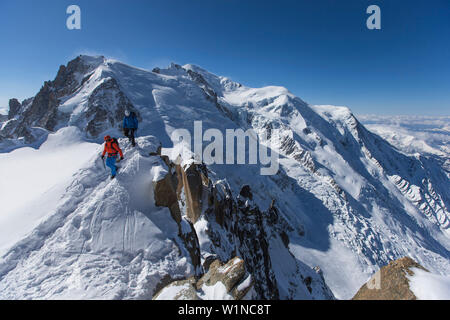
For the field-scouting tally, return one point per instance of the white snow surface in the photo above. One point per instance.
(33, 181)
(173, 292)
(218, 291)
(105, 239)
(429, 286)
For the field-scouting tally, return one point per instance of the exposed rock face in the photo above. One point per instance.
(43, 111)
(106, 107)
(249, 227)
(66, 81)
(232, 276)
(390, 282)
(182, 187)
(166, 194)
(246, 193)
(240, 228)
(242, 221)
(194, 181)
(14, 108)
(253, 234)
(13, 128)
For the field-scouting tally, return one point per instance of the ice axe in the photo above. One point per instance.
(103, 162)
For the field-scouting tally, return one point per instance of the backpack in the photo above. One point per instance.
(115, 141)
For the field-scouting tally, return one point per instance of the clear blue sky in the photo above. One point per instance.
(320, 50)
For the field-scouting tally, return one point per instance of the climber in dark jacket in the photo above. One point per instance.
(130, 125)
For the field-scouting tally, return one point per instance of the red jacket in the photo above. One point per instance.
(112, 148)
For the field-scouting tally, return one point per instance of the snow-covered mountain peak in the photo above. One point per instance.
(335, 113)
(219, 83)
(92, 60)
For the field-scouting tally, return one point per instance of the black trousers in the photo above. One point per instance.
(129, 133)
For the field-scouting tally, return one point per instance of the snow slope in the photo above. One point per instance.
(104, 240)
(33, 181)
(346, 199)
(429, 286)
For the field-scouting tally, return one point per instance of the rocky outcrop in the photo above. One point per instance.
(239, 227)
(390, 282)
(230, 275)
(68, 77)
(195, 180)
(229, 280)
(293, 149)
(14, 128)
(236, 226)
(106, 107)
(249, 228)
(183, 189)
(167, 193)
(14, 108)
(43, 111)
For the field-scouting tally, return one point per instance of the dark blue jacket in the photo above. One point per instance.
(130, 122)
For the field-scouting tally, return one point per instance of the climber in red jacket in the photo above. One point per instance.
(112, 148)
